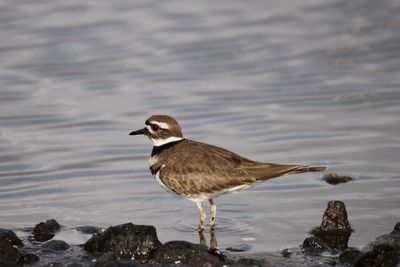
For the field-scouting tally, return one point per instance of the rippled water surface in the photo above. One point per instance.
(308, 82)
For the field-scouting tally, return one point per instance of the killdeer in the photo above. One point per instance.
(201, 172)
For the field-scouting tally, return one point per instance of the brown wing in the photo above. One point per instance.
(216, 169)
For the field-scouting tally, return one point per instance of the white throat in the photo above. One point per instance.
(161, 142)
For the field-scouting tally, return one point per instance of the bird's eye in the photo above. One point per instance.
(155, 127)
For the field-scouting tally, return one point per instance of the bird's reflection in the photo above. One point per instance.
(213, 240)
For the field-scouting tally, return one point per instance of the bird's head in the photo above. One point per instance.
(161, 129)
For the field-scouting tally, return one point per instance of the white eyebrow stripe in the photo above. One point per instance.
(149, 129)
(162, 125)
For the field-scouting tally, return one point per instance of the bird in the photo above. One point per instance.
(198, 171)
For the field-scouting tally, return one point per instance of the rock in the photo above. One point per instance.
(333, 178)
(383, 251)
(286, 253)
(121, 263)
(56, 264)
(30, 258)
(176, 252)
(74, 264)
(10, 236)
(239, 248)
(125, 241)
(249, 263)
(55, 245)
(46, 231)
(315, 244)
(335, 229)
(9, 254)
(396, 229)
(90, 230)
(350, 256)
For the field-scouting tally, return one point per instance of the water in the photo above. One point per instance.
(313, 82)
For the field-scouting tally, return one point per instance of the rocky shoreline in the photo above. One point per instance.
(128, 245)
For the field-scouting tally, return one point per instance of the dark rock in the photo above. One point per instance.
(121, 263)
(74, 264)
(90, 230)
(333, 178)
(350, 256)
(239, 248)
(249, 263)
(9, 254)
(396, 229)
(286, 253)
(30, 258)
(176, 252)
(334, 218)
(56, 264)
(383, 251)
(335, 229)
(10, 236)
(126, 241)
(315, 244)
(46, 231)
(56, 245)
(105, 259)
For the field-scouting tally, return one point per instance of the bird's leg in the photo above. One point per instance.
(213, 213)
(213, 241)
(202, 216)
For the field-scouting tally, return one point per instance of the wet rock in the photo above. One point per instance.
(121, 263)
(239, 248)
(10, 236)
(30, 258)
(55, 245)
(350, 256)
(46, 230)
(105, 259)
(125, 241)
(250, 263)
(286, 253)
(176, 252)
(333, 178)
(90, 230)
(335, 229)
(74, 264)
(383, 251)
(9, 254)
(396, 229)
(315, 244)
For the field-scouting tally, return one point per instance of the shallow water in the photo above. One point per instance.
(313, 82)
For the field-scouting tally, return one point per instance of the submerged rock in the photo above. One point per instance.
(239, 248)
(125, 241)
(89, 229)
(335, 229)
(46, 230)
(182, 252)
(55, 245)
(30, 258)
(315, 244)
(246, 262)
(350, 256)
(333, 178)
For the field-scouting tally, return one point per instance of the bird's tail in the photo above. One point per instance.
(276, 170)
(300, 169)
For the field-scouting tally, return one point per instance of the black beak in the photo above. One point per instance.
(141, 131)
